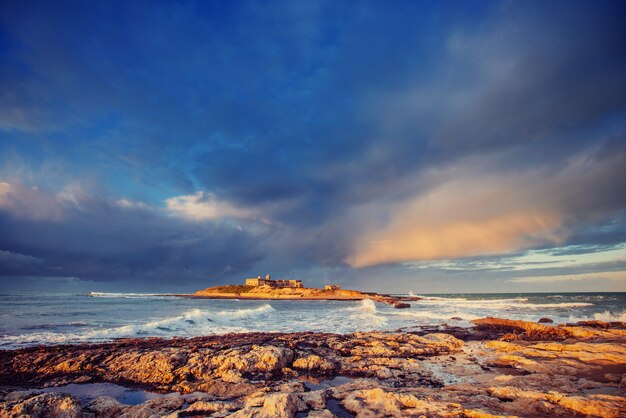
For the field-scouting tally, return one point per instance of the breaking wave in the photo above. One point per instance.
(368, 305)
(191, 323)
(608, 316)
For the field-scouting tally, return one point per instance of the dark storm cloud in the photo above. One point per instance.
(90, 238)
(321, 121)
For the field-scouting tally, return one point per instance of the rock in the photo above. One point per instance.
(209, 407)
(501, 368)
(106, 407)
(545, 321)
(315, 399)
(257, 361)
(456, 318)
(314, 364)
(45, 405)
(379, 402)
(232, 376)
(280, 405)
(153, 407)
(530, 402)
(401, 305)
(509, 330)
(325, 413)
(274, 405)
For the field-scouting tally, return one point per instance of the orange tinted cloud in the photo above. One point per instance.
(472, 209)
(458, 238)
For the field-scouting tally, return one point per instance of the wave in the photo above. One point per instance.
(365, 313)
(78, 324)
(608, 316)
(514, 303)
(422, 297)
(129, 295)
(368, 305)
(203, 319)
(429, 315)
(591, 297)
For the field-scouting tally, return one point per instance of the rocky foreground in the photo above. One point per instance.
(499, 367)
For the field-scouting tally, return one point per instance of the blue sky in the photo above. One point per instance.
(391, 146)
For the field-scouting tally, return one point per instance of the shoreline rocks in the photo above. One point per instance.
(498, 367)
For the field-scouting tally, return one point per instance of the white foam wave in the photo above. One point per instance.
(129, 295)
(608, 316)
(427, 298)
(514, 303)
(368, 305)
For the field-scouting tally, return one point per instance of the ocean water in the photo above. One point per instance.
(28, 319)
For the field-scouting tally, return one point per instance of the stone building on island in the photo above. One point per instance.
(267, 281)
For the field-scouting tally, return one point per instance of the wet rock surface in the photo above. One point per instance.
(499, 367)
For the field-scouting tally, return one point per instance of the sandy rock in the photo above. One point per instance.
(275, 405)
(522, 330)
(381, 402)
(106, 407)
(154, 367)
(324, 413)
(210, 407)
(45, 405)
(315, 399)
(280, 405)
(153, 407)
(290, 387)
(258, 361)
(528, 402)
(607, 406)
(232, 376)
(315, 364)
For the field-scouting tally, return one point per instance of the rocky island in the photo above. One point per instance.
(496, 368)
(267, 288)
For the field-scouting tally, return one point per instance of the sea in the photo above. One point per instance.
(28, 319)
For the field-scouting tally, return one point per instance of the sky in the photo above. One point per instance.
(401, 146)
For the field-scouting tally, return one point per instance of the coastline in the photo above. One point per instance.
(497, 367)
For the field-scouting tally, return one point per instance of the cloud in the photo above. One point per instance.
(94, 239)
(203, 206)
(29, 203)
(16, 263)
(619, 276)
(471, 210)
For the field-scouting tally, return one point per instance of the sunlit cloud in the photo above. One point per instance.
(474, 210)
(203, 206)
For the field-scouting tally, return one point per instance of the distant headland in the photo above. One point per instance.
(268, 288)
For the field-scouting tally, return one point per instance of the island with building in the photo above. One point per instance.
(292, 289)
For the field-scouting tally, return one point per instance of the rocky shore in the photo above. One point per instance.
(498, 367)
